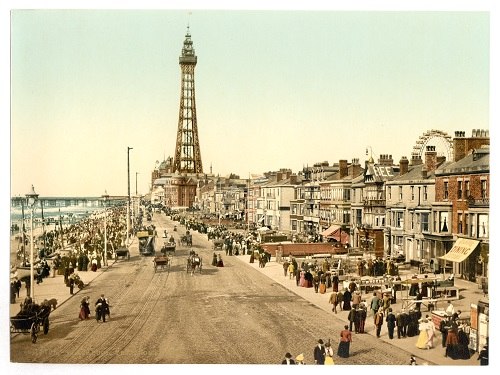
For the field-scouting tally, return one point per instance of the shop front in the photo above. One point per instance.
(479, 325)
(467, 259)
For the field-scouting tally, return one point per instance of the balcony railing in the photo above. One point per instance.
(374, 202)
(481, 202)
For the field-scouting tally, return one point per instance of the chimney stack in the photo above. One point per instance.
(356, 169)
(415, 159)
(431, 158)
(462, 145)
(403, 165)
(386, 159)
(343, 169)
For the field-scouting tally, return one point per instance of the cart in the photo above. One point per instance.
(162, 262)
(168, 247)
(122, 252)
(29, 321)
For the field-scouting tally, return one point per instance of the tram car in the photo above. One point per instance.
(146, 243)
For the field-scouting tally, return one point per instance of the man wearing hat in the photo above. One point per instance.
(101, 308)
(288, 360)
(319, 353)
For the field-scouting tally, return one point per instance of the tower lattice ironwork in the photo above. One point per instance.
(187, 157)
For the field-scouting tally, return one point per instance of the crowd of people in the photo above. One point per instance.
(323, 278)
(69, 249)
(346, 297)
(323, 353)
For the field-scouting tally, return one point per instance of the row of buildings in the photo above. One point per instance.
(428, 209)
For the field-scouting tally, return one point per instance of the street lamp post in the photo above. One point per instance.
(31, 199)
(136, 173)
(128, 196)
(105, 197)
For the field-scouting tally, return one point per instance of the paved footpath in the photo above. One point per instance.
(54, 287)
(469, 293)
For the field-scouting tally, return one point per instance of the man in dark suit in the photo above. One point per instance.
(288, 360)
(102, 308)
(319, 353)
(391, 323)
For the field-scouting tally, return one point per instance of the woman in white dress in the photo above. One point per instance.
(423, 337)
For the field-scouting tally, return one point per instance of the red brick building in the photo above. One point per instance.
(461, 207)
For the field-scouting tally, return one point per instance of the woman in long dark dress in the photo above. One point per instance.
(335, 282)
(463, 345)
(346, 306)
(345, 342)
(84, 309)
(452, 344)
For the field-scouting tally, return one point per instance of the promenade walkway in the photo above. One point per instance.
(469, 293)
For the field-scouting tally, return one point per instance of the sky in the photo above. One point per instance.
(279, 88)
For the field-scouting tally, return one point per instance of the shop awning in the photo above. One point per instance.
(330, 230)
(461, 250)
(340, 235)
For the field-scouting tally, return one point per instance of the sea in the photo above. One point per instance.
(55, 211)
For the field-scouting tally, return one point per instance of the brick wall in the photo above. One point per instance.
(460, 204)
(301, 249)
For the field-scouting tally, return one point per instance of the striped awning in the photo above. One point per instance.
(460, 250)
(330, 230)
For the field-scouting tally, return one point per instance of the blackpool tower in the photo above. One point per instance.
(187, 157)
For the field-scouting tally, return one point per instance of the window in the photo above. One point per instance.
(467, 189)
(399, 219)
(460, 223)
(466, 224)
(400, 193)
(443, 222)
(347, 195)
(482, 226)
(483, 189)
(358, 217)
(424, 222)
(445, 190)
(472, 225)
(389, 193)
(459, 190)
(412, 218)
(412, 193)
(425, 193)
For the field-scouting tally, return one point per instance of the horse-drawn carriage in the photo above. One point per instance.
(187, 239)
(162, 262)
(194, 263)
(29, 320)
(168, 247)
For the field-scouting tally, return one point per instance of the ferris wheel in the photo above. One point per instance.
(438, 138)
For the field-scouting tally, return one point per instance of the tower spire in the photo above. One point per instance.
(187, 148)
